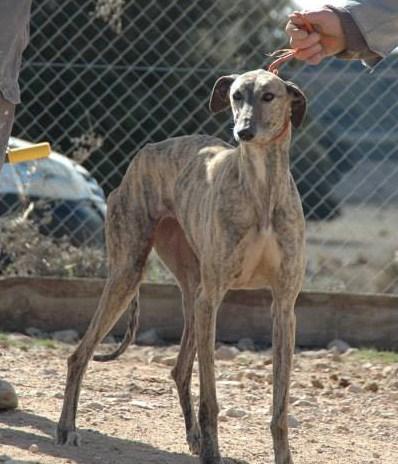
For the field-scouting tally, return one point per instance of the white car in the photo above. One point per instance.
(60, 187)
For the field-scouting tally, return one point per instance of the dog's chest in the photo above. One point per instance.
(259, 260)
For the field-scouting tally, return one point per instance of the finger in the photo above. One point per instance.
(291, 26)
(297, 18)
(316, 18)
(297, 34)
(315, 59)
(309, 41)
(309, 52)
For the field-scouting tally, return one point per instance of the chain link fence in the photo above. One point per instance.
(103, 77)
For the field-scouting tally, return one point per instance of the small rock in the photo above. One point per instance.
(162, 359)
(292, 422)
(343, 382)
(59, 396)
(387, 371)
(393, 384)
(353, 388)
(372, 387)
(235, 412)
(49, 372)
(246, 344)
(342, 429)
(316, 383)
(322, 365)
(350, 352)
(169, 361)
(94, 405)
(109, 339)
(243, 359)
(313, 354)
(150, 337)
(234, 375)
(226, 353)
(65, 336)
(335, 356)
(304, 403)
(252, 374)
(142, 404)
(18, 337)
(339, 345)
(8, 396)
(34, 448)
(230, 383)
(36, 333)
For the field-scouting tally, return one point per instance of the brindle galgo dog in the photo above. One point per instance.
(220, 217)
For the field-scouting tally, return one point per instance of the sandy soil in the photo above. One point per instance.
(344, 408)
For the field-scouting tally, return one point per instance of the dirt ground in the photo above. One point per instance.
(344, 408)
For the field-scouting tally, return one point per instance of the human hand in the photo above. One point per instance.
(328, 38)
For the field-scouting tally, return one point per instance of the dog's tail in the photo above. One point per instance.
(129, 335)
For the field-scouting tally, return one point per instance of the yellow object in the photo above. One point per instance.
(37, 151)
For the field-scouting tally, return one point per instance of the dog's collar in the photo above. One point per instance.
(283, 131)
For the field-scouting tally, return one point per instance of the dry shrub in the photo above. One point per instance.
(25, 251)
(111, 12)
(85, 145)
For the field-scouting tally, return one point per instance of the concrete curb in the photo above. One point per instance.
(52, 304)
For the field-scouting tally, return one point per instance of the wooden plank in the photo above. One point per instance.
(51, 304)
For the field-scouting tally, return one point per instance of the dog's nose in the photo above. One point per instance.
(245, 134)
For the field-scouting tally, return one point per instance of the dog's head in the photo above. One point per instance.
(261, 102)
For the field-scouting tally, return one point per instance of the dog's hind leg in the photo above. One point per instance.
(129, 232)
(177, 255)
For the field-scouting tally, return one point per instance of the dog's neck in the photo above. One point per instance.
(265, 175)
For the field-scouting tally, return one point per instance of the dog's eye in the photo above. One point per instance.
(237, 96)
(267, 97)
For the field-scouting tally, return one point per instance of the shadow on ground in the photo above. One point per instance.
(96, 448)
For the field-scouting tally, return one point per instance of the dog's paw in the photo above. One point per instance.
(67, 437)
(193, 440)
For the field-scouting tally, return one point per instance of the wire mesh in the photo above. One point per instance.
(102, 78)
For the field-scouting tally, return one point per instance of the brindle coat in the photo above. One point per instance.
(220, 217)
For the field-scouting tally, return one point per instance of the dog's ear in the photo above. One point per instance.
(299, 103)
(219, 99)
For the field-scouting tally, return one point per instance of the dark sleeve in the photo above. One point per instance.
(14, 34)
(357, 47)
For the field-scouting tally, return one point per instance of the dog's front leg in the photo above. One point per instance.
(283, 338)
(205, 328)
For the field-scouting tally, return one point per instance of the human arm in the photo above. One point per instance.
(366, 30)
(14, 32)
